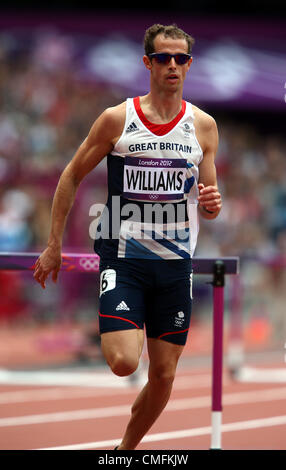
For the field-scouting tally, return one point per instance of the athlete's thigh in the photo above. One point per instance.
(170, 305)
(121, 299)
(125, 343)
(121, 309)
(163, 357)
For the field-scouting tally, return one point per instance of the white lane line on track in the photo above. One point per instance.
(72, 378)
(24, 396)
(171, 435)
(69, 392)
(62, 378)
(124, 410)
(251, 374)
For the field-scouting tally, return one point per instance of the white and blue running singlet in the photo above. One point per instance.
(151, 211)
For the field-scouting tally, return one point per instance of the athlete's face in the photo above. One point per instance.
(169, 76)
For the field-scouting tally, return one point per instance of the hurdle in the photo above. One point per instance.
(237, 360)
(217, 267)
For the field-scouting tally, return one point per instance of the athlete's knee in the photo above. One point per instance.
(162, 376)
(123, 365)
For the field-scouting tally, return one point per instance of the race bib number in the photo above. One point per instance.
(154, 179)
(107, 281)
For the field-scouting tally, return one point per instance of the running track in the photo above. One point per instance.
(48, 412)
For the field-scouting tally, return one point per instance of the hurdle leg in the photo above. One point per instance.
(217, 358)
(235, 358)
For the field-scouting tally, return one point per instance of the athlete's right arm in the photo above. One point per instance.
(94, 148)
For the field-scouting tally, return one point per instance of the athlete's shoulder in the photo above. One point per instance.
(204, 120)
(110, 124)
(206, 129)
(115, 114)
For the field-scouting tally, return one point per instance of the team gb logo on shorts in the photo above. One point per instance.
(179, 319)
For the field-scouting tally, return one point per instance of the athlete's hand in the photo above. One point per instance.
(49, 261)
(209, 198)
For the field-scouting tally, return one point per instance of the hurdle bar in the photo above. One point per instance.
(218, 267)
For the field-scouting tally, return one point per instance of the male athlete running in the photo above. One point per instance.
(160, 154)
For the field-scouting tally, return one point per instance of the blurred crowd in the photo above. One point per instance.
(251, 168)
(46, 111)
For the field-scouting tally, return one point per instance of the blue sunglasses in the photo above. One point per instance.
(165, 58)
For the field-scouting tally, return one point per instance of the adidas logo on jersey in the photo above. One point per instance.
(132, 127)
(122, 306)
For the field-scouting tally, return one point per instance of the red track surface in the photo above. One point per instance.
(251, 402)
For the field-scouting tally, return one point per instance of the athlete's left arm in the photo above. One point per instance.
(209, 196)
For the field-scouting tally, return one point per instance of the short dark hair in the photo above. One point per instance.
(171, 31)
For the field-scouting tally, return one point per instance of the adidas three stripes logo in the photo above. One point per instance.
(132, 127)
(122, 306)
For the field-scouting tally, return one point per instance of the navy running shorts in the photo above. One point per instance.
(156, 294)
